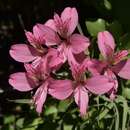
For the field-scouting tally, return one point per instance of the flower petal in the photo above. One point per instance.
(79, 43)
(123, 69)
(112, 77)
(23, 53)
(30, 37)
(96, 67)
(99, 84)
(81, 99)
(40, 97)
(106, 43)
(20, 82)
(70, 14)
(60, 89)
(49, 35)
(119, 56)
(55, 58)
(50, 23)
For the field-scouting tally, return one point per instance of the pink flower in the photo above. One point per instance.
(36, 77)
(38, 47)
(115, 62)
(64, 25)
(81, 86)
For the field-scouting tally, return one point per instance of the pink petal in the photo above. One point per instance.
(20, 82)
(71, 58)
(79, 43)
(49, 35)
(96, 67)
(70, 14)
(106, 43)
(55, 59)
(99, 84)
(50, 23)
(80, 57)
(30, 37)
(81, 99)
(112, 77)
(123, 69)
(60, 89)
(120, 56)
(40, 97)
(32, 74)
(43, 68)
(23, 53)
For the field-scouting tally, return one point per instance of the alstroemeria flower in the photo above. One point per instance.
(36, 77)
(38, 45)
(81, 86)
(115, 62)
(64, 25)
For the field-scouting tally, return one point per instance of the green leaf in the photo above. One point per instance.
(34, 124)
(95, 26)
(126, 93)
(51, 110)
(105, 111)
(68, 127)
(107, 4)
(19, 122)
(125, 41)
(30, 128)
(63, 105)
(125, 112)
(22, 101)
(116, 29)
(9, 119)
(117, 117)
(121, 99)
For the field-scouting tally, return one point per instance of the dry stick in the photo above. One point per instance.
(80, 29)
(21, 21)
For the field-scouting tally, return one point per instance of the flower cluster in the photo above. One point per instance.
(53, 45)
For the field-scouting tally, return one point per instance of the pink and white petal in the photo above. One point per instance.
(71, 59)
(50, 36)
(50, 23)
(109, 40)
(39, 35)
(20, 82)
(37, 61)
(81, 98)
(30, 38)
(40, 97)
(122, 69)
(70, 14)
(119, 56)
(43, 67)
(29, 68)
(23, 53)
(96, 67)
(112, 77)
(60, 89)
(79, 43)
(99, 84)
(55, 58)
(106, 44)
